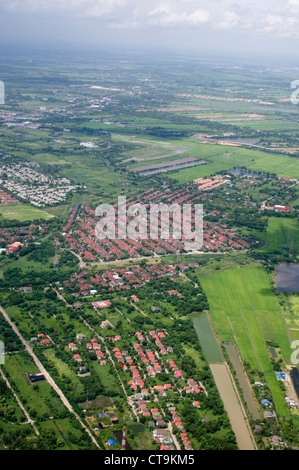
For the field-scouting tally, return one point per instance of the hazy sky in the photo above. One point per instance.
(258, 25)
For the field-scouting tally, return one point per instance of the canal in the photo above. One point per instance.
(206, 337)
(243, 381)
(224, 381)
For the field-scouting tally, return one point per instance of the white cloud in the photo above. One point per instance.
(84, 7)
(230, 19)
(102, 7)
(199, 16)
(275, 18)
(165, 14)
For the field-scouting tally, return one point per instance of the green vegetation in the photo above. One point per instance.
(244, 310)
(282, 236)
(94, 135)
(23, 213)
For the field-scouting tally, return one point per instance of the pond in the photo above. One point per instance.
(206, 337)
(242, 172)
(295, 379)
(287, 277)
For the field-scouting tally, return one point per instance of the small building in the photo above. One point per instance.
(280, 376)
(80, 337)
(269, 414)
(77, 358)
(36, 377)
(101, 304)
(45, 341)
(266, 402)
(106, 324)
(258, 384)
(14, 248)
(111, 442)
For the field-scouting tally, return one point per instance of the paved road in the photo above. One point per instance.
(48, 376)
(155, 255)
(82, 263)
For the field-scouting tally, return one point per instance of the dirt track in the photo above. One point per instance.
(47, 376)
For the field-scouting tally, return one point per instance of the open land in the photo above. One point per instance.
(188, 350)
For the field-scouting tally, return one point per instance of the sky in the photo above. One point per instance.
(249, 26)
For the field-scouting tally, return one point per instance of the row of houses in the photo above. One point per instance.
(82, 239)
(86, 284)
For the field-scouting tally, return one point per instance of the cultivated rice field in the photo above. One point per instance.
(245, 310)
(282, 234)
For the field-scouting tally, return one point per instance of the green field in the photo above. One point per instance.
(244, 310)
(37, 398)
(64, 370)
(282, 234)
(146, 149)
(221, 158)
(23, 212)
(265, 125)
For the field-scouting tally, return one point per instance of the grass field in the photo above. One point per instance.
(23, 212)
(265, 125)
(36, 398)
(282, 234)
(291, 313)
(64, 370)
(151, 149)
(221, 157)
(244, 309)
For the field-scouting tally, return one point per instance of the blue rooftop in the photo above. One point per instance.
(265, 402)
(280, 375)
(111, 442)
